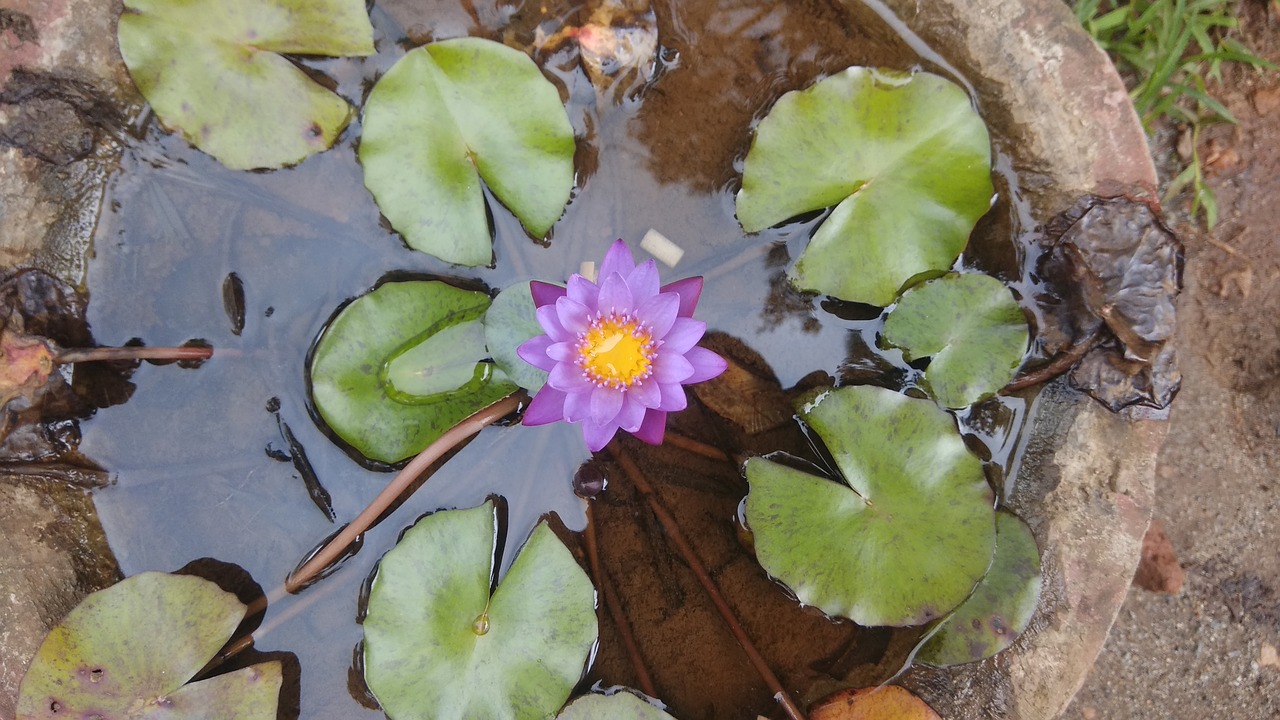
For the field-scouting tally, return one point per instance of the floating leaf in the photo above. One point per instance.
(451, 113)
(511, 320)
(905, 536)
(1000, 608)
(125, 652)
(400, 366)
(887, 702)
(437, 645)
(904, 158)
(621, 705)
(210, 70)
(970, 325)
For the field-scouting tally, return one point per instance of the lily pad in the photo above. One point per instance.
(1000, 608)
(621, 705)
(887, 702)
(903, 157)
(400, 366)
(211, 70)
(511, 320)
(125, 653)
(972, 328)
(902, 538)
(437, 645)
(453, 112)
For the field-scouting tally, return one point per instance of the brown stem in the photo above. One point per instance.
(362, 522)
(610, 600)
(696, 447)
(1061, 363)
(244, 642)
(700, 571)
(99, 354)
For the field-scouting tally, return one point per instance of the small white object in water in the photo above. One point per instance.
(588, 270)
(661, 247)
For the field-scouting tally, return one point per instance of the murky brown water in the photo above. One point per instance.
(198, 457)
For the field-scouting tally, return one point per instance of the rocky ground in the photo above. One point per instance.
(1210, 649)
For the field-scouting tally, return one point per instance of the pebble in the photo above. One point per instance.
(1267, 656)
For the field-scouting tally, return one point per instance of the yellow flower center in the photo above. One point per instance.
(616, 351)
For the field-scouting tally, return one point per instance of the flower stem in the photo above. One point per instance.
(1061, 363)
(99, 354)
(610, 599)
(704, 578)
(696, 447)
(299, 578)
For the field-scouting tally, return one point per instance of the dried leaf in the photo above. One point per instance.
(888, 702)
(1114, 265)
(25, 365)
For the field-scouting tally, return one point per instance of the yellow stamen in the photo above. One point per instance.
(616, 351)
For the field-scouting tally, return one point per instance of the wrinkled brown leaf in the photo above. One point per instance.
(1114, 268)
(39, 314)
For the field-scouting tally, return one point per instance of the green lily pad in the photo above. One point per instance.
(906, 534)
(453, 112)
(973, 329)
(400, 366)
(511, 320)
(621, 705)
(1000, 608)
(125, 652)
(437, 645)
(211, 70)
(905, 159)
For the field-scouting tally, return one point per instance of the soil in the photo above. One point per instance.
(1210, 649)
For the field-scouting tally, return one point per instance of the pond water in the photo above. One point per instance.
(202, 465)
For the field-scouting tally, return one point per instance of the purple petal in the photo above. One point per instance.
(614, 294)
(565, 352)
(631, 415)
(683, 335)
(643, 281)
(547, 319)
(669, 368)
(584, 291)
(547, 407)
(568, 378)
(544, 293)
(645, 393)
(577, 406)
(706, 365)
(659, 312)
(617, 260)
(597, 436)
(673, 398)
(573, 315)
(653, 427)
(605, 404)
(534, 352)
(690, 289)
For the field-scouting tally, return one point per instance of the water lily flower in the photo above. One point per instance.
(619, 353)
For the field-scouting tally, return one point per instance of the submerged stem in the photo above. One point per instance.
(681, 544)
(1061, 363)
(99, 354)
(610, 600)
(696, 447)
(394, 489)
